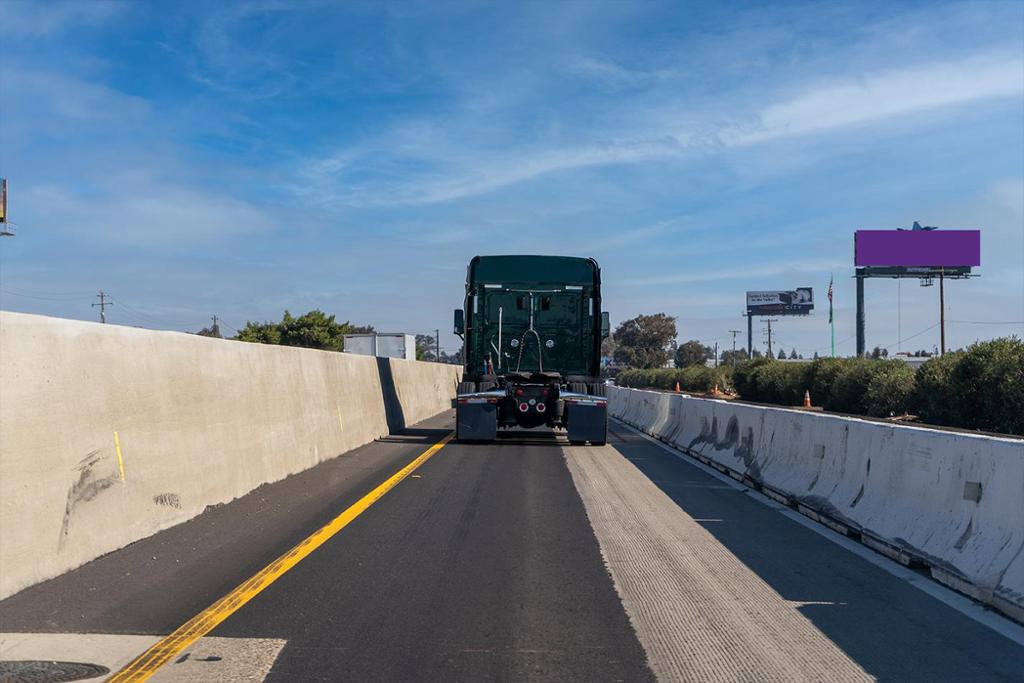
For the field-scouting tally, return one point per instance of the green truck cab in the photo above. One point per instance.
(532, 327)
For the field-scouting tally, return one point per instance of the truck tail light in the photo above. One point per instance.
(523, 407)
(541, 407)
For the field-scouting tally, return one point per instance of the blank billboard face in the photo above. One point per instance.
(934, 248)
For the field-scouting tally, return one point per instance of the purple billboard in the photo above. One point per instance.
(929, 248)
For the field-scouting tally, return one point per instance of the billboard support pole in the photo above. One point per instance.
(942, 316)
(860, 312)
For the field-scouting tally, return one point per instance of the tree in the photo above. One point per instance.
(782, 355)
(608, 347)
(757, 354)
(792, 354)
(426, 347)
(645, 341)
(739, 355)
(212, 331)
(691, 353)
(454, 358)
(876, 353)
(260, 333)
(312, 330)
(815, 355)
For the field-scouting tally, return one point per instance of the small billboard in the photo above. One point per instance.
(799, 301)
(929, 249)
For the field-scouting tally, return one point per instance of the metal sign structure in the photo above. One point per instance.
(921, 253)
(798, 301)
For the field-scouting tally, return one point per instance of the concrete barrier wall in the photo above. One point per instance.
(197, 421)
(952, 502)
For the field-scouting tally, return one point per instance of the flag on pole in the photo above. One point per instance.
(830, 299)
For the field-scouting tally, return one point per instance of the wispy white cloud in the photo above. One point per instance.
(873, 98)
(143, 212)
(462, 168)
(691, 276)
(29, 19)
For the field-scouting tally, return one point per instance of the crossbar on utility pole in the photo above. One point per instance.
(103, 305)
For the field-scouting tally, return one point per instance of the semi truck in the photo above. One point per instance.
(532, 328)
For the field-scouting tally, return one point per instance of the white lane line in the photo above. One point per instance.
(976, 611)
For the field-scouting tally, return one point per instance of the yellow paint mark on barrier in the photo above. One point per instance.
(341, 425)
(146, 664)
(120, 460)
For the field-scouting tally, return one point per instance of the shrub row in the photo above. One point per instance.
(694, 378)
(847, 385)
(979, 388)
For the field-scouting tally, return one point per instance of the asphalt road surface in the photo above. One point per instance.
(526, 559)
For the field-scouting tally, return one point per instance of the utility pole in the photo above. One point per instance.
(716, 354)
(734, 333)
(770, 321)
(942, 316)
(437, 343)
(861, 275)
(103, 305)
(750, 335)
(215, 330)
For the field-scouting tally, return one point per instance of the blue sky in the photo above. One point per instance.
(240, 159)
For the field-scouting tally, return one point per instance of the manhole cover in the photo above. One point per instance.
(31, 671)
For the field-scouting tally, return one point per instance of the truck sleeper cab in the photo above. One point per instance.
(532, 327)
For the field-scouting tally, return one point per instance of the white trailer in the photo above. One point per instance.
(383, 344)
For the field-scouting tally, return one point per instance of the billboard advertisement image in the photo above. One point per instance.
(955, 249)
(799, 301)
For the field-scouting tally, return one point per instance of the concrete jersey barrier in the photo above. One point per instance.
(949, 501)
(109, 434)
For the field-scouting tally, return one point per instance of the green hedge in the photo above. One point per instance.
(694, 378)
(979, 388)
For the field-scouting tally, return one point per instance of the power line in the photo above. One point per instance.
(133, 309)
(987, 322)
(80, 297)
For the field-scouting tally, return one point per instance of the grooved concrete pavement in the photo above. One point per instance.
(701, 614)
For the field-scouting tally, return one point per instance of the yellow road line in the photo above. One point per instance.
(146, 664)
(120, 460)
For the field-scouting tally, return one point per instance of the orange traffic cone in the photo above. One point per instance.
(677, 388)
(715, 391)
(807, 399)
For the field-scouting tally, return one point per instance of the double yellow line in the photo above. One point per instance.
(146, 664)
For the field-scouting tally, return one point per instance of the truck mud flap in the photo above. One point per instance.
(476, 420)
(587, 421)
